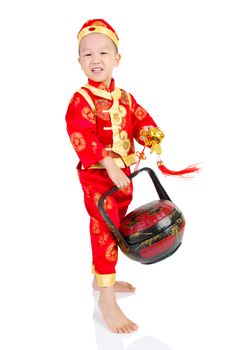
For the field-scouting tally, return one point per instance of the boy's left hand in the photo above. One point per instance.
(144, 130)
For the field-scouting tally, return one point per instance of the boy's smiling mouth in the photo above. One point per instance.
(97, 70)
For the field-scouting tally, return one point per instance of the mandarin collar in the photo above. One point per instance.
(102, 86)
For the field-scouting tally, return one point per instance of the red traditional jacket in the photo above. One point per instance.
(104, 121)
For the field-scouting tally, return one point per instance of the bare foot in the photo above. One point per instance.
(119, 286)
(112, 314)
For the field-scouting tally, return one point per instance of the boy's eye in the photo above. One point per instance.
(87, 55)
(103, 53)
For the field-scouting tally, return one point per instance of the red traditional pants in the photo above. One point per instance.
(95, 182)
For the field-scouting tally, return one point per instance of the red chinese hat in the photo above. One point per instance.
(98, 26)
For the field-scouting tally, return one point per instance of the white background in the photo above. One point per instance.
(176, 61)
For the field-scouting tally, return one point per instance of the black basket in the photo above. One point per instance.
(153, 231)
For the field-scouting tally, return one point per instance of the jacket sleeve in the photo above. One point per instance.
(81, 128)
(140, 118)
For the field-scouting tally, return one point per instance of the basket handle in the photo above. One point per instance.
(159, 188)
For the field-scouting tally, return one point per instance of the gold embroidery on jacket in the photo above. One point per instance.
(102, 105)
(121, 142)
(78, 141)
(88, 114)
(140, 113)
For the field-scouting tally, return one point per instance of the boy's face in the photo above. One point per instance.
(98, 57)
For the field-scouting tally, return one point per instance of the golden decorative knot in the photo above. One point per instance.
(153, 138)
(141, 155)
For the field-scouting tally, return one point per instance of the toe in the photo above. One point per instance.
(134, 326)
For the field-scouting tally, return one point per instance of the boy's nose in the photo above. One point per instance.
(96, 59)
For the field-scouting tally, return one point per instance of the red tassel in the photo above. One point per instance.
(187, 171)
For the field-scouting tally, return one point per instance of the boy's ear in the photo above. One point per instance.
(117, 59)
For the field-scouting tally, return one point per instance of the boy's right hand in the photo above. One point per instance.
(115, 173)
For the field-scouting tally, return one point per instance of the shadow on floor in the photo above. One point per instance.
(106, 340)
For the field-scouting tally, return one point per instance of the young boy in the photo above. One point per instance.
(102, 122)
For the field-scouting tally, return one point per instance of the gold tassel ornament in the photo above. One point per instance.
(152, 137)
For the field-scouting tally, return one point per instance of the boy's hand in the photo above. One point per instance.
(145, 130)
(115, 173)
